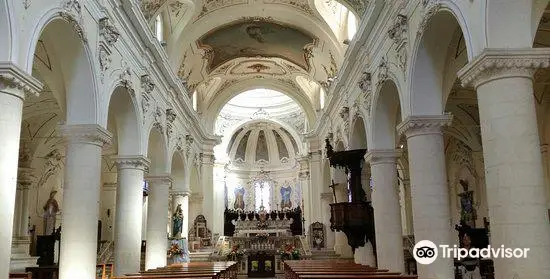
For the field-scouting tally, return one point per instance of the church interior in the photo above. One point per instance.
(273, 138)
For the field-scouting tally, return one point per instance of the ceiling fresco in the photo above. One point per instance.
(257, 39)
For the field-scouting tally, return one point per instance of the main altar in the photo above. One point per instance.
(261, 241)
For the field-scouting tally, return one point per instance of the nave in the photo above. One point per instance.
(157, 138)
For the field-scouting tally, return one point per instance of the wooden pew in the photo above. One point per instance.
(340, 269)
(26, 275)
(215, 270)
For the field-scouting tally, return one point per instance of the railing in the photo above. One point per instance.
(305, 245)
(408, 243)
(105, 252)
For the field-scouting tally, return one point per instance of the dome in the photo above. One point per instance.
(264, 142)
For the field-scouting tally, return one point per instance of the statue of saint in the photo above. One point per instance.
(51, 208)
(239, 198)
(177, 222)
(468, 212)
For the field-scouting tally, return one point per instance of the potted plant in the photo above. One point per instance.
(290, 252)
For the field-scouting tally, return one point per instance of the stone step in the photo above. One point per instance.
(324, 254)
(200, 256)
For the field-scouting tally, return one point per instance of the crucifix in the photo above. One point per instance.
(332, 186)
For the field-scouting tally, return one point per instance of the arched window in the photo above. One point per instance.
(194, 100)
(352, 25)
(262, 191)
(158, 28)
(321, 98)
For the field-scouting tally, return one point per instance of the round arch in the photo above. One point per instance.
(178, 173)
(76, 63)
(6, 32)
(220, 100)
(385, 117)
(358, 137)
(427, 68)
(157, 152)
(122, 108)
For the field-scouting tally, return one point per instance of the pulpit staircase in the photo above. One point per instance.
(106, 252)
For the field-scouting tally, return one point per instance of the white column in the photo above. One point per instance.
(513, 165)
(157, 221)
(316, 176)
(144, 207)
(207, 174)
(304, 178)
(430, 193)
(129, 202)
(182, 198)
(408, 206)
(326, 199)
(20, 257)
(387, 212)
(341, 245)
(78, 253)
(14, 84)
(544, 155)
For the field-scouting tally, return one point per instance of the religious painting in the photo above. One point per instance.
(286, 192)
(239, 197)
(256, 38)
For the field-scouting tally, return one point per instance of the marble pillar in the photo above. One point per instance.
(78, 253)
(316, 178)
(387, 211)
(207, 180)
(326, 199)
(408, 206)
(157, 221)
(14, 85)
(514, 176)
(129, 202)
(341, 245)
(544, 155)
(20, 249)
(304, 177)
(429, 189)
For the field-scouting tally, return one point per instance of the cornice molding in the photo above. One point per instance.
(132, 162)
(494, 64)
(424, 125)
(86, 133)
(383, 156)
(15, 81)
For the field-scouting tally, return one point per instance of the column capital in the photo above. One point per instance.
(496, 63)
(383, 156)
(131, 162)
(161, 179)
(180, 193)
(17, 82)
(424, 124)
(86, 133)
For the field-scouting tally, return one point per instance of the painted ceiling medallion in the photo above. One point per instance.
(256, 39)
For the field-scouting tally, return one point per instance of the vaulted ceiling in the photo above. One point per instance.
(216, 46)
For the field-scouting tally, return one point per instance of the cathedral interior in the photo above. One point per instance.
(274, 139)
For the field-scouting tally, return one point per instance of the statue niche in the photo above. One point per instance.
(318, 235)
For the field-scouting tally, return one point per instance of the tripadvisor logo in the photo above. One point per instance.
(426, 252)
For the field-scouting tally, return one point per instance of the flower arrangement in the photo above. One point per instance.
(290, 252)
(235, 254)
(175, 250)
